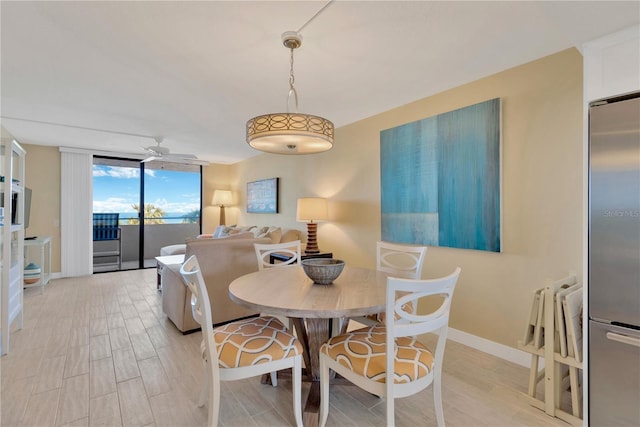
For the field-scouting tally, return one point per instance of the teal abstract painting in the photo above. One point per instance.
(440, 179)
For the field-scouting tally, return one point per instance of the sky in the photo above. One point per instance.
(116, 189)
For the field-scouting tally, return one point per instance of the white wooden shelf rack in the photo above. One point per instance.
(12, 173)
(554, 332)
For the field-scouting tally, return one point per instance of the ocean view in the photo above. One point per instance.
(169, 195)
(168, 218)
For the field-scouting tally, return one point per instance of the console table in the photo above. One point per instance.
(284, 257)
(44, 250)
(163, 261)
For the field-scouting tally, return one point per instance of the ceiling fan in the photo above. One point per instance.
(159, 153)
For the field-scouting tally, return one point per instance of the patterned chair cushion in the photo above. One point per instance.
(253, 341)
(363, 351)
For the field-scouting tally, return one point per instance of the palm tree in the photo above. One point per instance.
(191, 217)
(152, 214)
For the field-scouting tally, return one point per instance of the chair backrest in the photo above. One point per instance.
(400, 260)
(400, 292)
(264, 251)
(200, 304)
(106, 226)
(403, 293)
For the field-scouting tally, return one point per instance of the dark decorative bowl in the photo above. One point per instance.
(323, 271)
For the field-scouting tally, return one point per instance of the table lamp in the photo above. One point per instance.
(311, 210)
(222, 198)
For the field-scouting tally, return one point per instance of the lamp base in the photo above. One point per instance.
(222, 218)
(312, 242)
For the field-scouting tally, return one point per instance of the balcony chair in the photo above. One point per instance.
(241, 349)
(106, 228)
(365, 356)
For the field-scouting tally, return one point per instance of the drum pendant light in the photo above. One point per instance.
(290, 133)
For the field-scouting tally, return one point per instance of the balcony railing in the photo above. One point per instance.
(156, 236)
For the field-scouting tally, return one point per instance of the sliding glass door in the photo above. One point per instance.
(172, 206)
(116, 190)
(158, 203)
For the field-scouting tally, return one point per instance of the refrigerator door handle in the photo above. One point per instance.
(625, 339)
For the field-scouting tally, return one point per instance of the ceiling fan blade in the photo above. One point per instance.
(181, 156)
(163, 154)
(172, 159)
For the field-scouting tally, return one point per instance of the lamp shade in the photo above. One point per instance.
(312, 209)
(290, 133)
(222, 198)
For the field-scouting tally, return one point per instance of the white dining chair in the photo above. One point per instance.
(366, 356)
(241, 349)
(404, 261)
(265, 250)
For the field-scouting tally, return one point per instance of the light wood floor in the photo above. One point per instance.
(99, 351)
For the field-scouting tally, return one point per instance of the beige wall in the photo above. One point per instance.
(214, 177)
(542, 201)
(43, 177)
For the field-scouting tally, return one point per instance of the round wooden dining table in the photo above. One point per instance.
(287, 291)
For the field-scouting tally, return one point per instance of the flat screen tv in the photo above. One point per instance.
(27, 206)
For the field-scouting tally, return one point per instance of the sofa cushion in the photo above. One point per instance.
(173, 250)
(239, 232)
(290, 236)
(242, 235)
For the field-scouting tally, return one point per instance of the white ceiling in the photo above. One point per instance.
(194, 72)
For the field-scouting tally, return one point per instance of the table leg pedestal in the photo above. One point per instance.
(312, 333)
(317, 331)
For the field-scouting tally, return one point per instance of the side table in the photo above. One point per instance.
(284, 257)
(164, 261)
(44, 246)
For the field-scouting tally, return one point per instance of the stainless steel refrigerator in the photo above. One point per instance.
(614, 262)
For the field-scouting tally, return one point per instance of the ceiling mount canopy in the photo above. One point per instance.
(291, 133)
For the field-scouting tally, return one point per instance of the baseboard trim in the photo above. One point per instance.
(502, 351)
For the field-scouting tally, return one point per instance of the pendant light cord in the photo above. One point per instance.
(292, 89)
(314, 16)
(292, 46)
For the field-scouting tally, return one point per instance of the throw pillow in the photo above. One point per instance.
(275, 233)
(260, 232)
(225, 231)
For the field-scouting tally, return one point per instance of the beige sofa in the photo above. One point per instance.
(221, 261)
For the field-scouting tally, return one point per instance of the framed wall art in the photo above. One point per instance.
(262, 196)
(440, 179)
